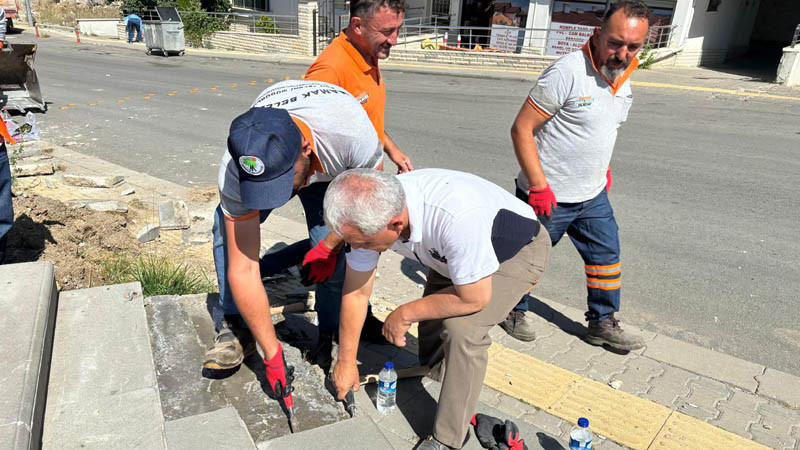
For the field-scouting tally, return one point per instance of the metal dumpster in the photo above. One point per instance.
(164, 33)
(19, 84)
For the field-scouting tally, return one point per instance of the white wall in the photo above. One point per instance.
(283, 7)
(713, 30)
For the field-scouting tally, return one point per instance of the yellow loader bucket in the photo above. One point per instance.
(19, 85)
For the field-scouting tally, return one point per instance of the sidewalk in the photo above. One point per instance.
(721, 80)
(669, 395)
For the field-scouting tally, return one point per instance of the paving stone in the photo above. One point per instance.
(777, 419)
(578, 357)
(713, 385)
(92, 181)
(600, 443)
(107, 422)
(547, 422)
(637, 375)
(490, 396)
(173, 216)
(780, 386)
(148, 233)
(358, 433)
(602, 372)
(128, 191)
(550, 347)
(669, 386)
(513, 407)
(396, 441)
(744, 402)
(106, 205)
(28, 300)
(705, 362)
(32, 170)
(682, 405)
(222, 428)
(705, 398)
(735, 421)
(508, 341)
(771, 440)
(50, 184)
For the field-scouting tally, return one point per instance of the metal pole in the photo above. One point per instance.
(29, 12)
(314, 30)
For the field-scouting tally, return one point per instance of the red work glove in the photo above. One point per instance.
(511, 438)
(609, 180)
(280, 376)
(542, 200)
(488, 429)
(2, 44)
(321, 261)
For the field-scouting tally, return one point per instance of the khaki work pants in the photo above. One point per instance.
(460, 345)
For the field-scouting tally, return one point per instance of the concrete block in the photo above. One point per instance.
(735, 421)
(669, 386)
(32, 170)
(705, 362)
(781, 386)
(359, 433)
(28, 300)
(148, 233)
(173, 216)
(101, 345)
(107, 422)
(128, 191)
(92, 181)
(101, 205)
(222, 428)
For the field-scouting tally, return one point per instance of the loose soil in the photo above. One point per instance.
(75, 240)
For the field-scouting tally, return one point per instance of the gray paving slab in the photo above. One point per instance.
(101, 345)
(705, 362)
(222, 428)
(781, 386)
(359, 433)
(28, 301)
(120, 421)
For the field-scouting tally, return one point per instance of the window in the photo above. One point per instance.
(713, 5)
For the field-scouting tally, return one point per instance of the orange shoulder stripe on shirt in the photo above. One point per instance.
(538, 109)
(244, 217)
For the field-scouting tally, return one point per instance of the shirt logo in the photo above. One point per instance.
(585, 101)
(363, 99)
(251, 165)
(435, 255)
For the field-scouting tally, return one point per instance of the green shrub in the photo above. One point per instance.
(197, 25)
(157, 275)
(646, 57)
(266, 25)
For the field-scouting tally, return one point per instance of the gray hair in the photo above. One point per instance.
(366, 199)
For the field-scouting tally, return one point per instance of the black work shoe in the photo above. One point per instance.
(232, 345)
(372, 331)
(519, 326)
(322, 354)
(608, 332)
(430, 443)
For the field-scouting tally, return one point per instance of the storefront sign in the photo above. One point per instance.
(506, 38)
(566, 38)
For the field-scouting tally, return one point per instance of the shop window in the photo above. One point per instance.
(713, 5)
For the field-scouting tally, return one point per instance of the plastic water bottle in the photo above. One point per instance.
(580, 438)
(387, 389)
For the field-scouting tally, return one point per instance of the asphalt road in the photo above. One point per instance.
(706, 187)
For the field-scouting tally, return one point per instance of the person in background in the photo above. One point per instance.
(133, 23)
(6, 206)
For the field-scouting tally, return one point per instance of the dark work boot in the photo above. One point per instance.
(608, 332)
(518, 326)
(232, 344)
(430, 443)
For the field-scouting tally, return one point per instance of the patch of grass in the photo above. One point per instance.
(157, 274)
(13, 159)
(646, 57)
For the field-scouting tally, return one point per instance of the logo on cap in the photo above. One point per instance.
(251, 165)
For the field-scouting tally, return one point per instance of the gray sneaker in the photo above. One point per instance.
(231, 346)
(519, 326)
(608, 332)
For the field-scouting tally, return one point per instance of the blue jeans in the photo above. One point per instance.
(594, 232)
(6, 206)
(134, 24)
(328, 294)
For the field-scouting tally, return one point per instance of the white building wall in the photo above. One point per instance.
(283, 7)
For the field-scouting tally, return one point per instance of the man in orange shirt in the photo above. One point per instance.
(351, 61)
(6, 206)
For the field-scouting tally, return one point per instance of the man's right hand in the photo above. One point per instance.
(279, 375)
(345, 377)
(542, 200)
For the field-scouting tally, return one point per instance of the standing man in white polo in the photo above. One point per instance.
(563, 138)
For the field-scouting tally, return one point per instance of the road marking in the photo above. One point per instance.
(193, 90)
(286, 78)
(70, 104)
(710, 89)
(121, 100)
(92, 104)
(147, 97)
(213, 88)
(100, 101)
(269, 80)
(302, 76)
(63, 107)
(252, 83)
(233, 85)
(126, 98)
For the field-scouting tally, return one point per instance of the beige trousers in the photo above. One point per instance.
(460, 345)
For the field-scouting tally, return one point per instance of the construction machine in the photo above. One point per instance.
(19, 84)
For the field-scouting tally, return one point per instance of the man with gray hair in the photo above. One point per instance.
(563, 137)
(484, 249)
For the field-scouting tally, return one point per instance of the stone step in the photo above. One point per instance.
(222, 428)
(28, 299)
(102, 392)
(359, 433)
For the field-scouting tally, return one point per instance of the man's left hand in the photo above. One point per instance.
(395, 328)
(609, 180)
(322, 262)
(402, 161)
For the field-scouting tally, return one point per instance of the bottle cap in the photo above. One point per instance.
(389, 365)
(583, 422)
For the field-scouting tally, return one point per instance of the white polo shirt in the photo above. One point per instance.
(462, 226)
(343, 136)
(585, 110)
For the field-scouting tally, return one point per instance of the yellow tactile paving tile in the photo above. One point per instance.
(526, 378)
(685, 432)
(622, 417)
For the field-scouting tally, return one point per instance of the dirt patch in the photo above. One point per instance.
(203, 195)
(75, 240)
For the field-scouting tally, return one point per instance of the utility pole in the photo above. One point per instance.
(29, 12)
